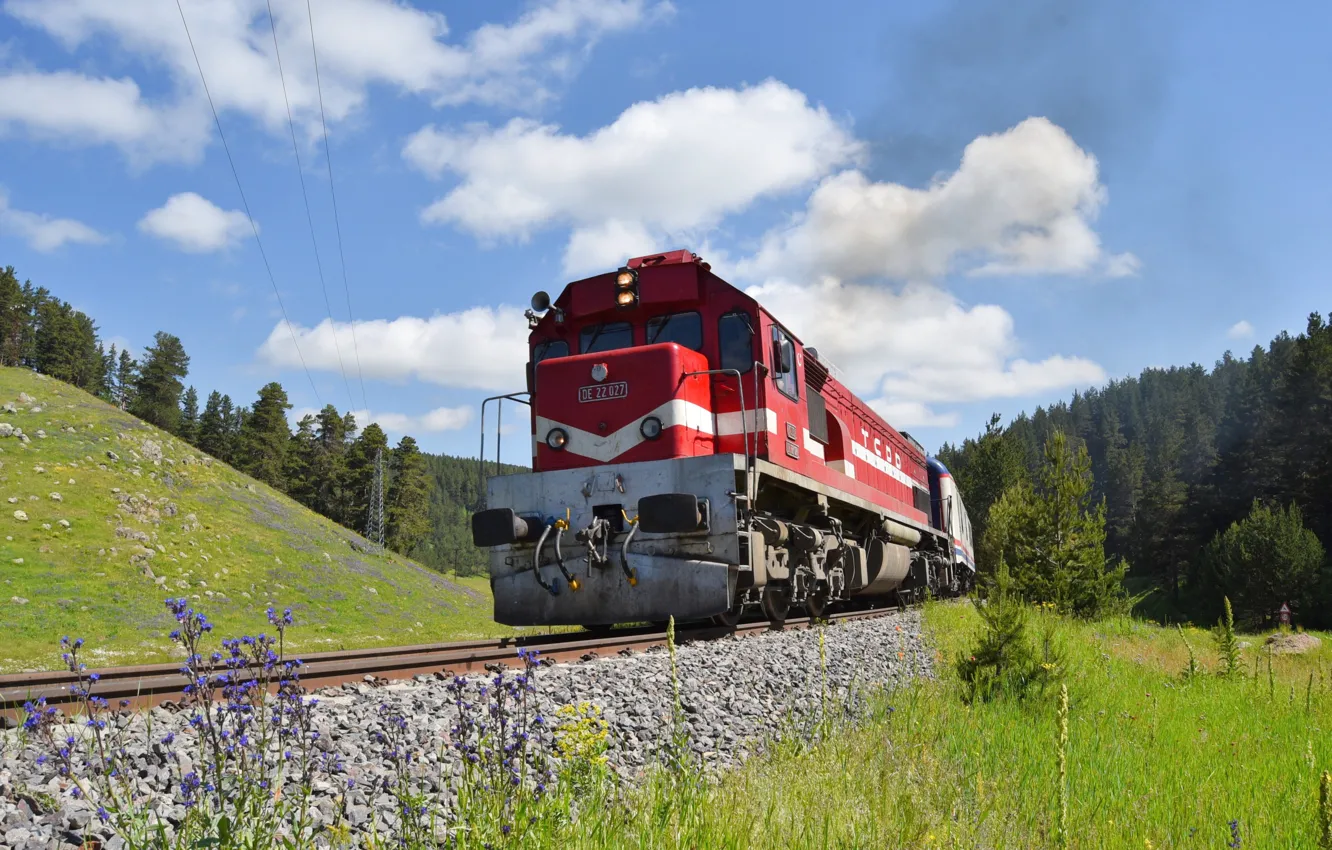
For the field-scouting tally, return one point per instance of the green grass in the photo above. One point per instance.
(1152, 762)
(231, 544)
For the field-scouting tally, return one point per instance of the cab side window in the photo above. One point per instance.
(735, 338)
(784, 363)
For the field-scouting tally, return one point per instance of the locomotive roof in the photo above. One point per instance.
(645, 265)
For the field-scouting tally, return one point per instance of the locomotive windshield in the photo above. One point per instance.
(549, 348)
(607, 336)
(683, 328)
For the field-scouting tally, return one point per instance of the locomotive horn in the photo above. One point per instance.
(541, 302)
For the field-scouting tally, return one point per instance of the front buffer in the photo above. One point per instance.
(568, 547)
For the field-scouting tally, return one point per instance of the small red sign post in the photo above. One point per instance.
(1285, 614)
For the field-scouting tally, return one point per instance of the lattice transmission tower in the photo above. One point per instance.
(374, 524)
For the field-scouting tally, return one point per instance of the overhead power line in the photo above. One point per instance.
(305, 196)
(254, 228)
(328, 158)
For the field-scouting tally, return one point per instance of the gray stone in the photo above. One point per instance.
(21, 516)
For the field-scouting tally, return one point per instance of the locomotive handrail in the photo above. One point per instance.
(744, 426)
(499, 423)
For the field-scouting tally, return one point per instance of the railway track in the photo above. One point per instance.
(147, 685)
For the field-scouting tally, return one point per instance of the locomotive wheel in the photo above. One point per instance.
(730, 618)
(817, 604)
(776, 602)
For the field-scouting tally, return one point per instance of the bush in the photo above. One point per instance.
(1263, 560)
(1004, 662)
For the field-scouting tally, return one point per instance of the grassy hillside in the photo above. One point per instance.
(120, 515)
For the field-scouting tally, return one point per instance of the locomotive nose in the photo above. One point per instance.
(626, 405)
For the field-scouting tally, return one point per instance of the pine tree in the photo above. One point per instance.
(1052, 537)
(13, 318)
(1003, 662)
(107, 368)
(330, 464)
(301, 460)
(264, 436)
(189, 417)
(1124, 466)
(127, 375)
(357, 476)
(213, 427)
(235, 428)
(983, 470)
(408, 503)
(157, 391)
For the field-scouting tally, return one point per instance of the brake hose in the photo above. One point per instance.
(629, 573)
(560, 526)
(536, 564)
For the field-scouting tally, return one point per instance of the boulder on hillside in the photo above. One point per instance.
(21, 516)
(152, 450)
(1292, 644)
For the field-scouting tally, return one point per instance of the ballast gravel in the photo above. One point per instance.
(736, 693)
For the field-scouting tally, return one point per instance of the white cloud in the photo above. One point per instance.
(912, 414)
(70, 106)
(607, 245)
(1242, 329)
(361, 43)
(1021, 201)
(431, 422)
(678, 163)
(481, 348)
(195, 224)
(43, 232)
(907, 350)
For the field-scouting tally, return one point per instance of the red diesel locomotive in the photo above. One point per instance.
(691, 458)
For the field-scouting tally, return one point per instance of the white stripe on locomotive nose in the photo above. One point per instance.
(607, 447)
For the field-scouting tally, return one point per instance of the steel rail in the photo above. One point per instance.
(148, 685)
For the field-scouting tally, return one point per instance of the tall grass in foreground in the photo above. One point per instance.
(1153, 761)
(1128, 753)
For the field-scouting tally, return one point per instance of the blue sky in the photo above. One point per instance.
(969, 207)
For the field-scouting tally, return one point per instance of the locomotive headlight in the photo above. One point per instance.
(557, 439)
(599, 372)
(626, 288)
(651, 428)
